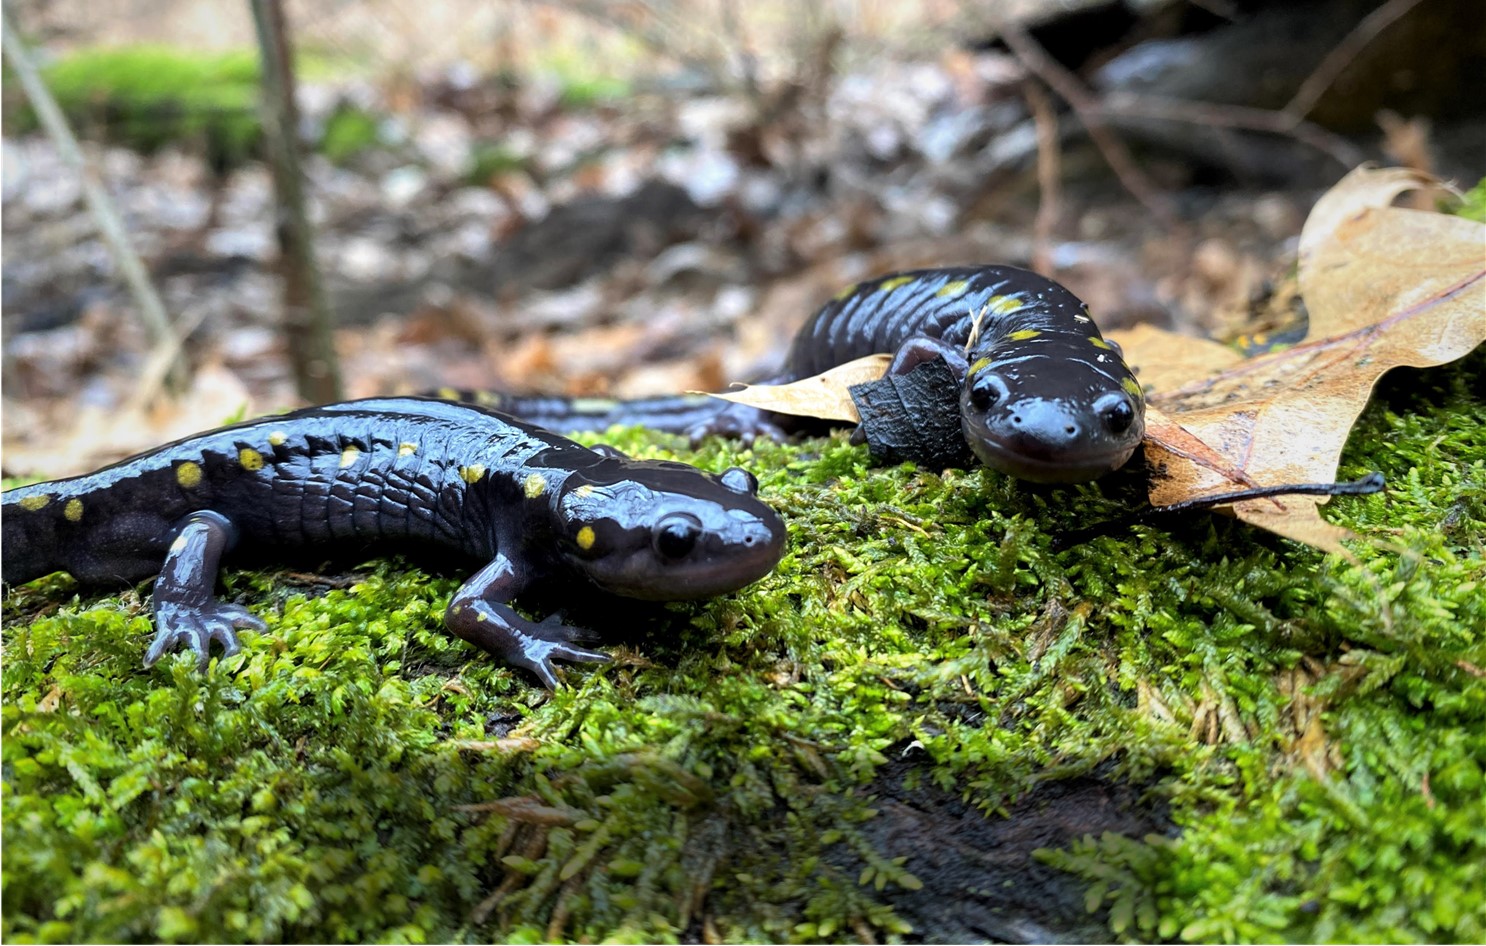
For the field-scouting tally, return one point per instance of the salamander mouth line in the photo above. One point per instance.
(1087, 464)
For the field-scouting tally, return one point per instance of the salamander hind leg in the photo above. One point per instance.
(186, 610)
(479, 614)
(737, 422)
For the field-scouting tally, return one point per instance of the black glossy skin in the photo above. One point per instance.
(1044, 397)
(399, 474)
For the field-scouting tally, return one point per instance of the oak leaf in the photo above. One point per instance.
(826, 395)
(1385, 287)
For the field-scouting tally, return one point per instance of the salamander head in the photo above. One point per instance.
(667, 531)
(1053, 416)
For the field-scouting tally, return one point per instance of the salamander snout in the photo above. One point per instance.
(666, 532)
(1040, 428)
(1049, 439)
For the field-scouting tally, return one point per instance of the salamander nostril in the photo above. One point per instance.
(1070, 430)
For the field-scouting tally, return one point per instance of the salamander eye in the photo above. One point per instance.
(1116, 412)
(986, 389)
(676, 535)
(740, 480)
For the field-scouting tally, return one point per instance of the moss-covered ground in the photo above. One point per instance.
(1296, 741)
(150, 97)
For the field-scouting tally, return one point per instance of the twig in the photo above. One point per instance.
(307, 319)
(158, 363)
(1290, 120)
(1371, 483)
(1049, 173)
(1086, 107)
(110, 225)
(1213, 114)
(1320, 79)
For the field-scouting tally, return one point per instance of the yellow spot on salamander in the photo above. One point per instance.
(1023, 335)
(33, 503)
(585, 538)
(487, 398)
(482, 616)
(250, 459)
(592, 405)
(349, 455)
(73, 510)
(473, 473)
(277, 439)
(953, 288)
(535, 485)
(406, 449)
(1098, 342)
(585, 490)
(979, 365)
(888, 285)
(188, 474)
(1003, 305)
(448, 394)
(179, 545)
(844, 293)
(1132, 387)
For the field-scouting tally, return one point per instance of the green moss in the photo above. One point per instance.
(146, 97)
(1473, 206)
(583, 78)
(357, 774)
(150, 97)
(349, 131)
(490, 160)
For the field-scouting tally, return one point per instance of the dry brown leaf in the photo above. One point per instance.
(1385, 287)
(98, 436)
(826, 395)
(1164, 361)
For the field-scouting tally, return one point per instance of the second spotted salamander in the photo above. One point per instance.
(398, 474)
(1042, 395)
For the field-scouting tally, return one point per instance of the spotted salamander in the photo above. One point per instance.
(1042, 395)
(401, 474)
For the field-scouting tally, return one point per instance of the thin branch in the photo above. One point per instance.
(163, 336)
(1086, 107)
(1371, 483)
(308, 323)
(1212, 114)
(1049, 174)
(156, 368)
(1325, 74)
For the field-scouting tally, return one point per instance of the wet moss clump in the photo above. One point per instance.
(147, 98)
(1217, 734)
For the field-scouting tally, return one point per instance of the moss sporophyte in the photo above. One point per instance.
(1284, 745)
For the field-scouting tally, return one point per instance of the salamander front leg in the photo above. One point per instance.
(918, 349)
(915, 351)
(479, 614)
(186, 611)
